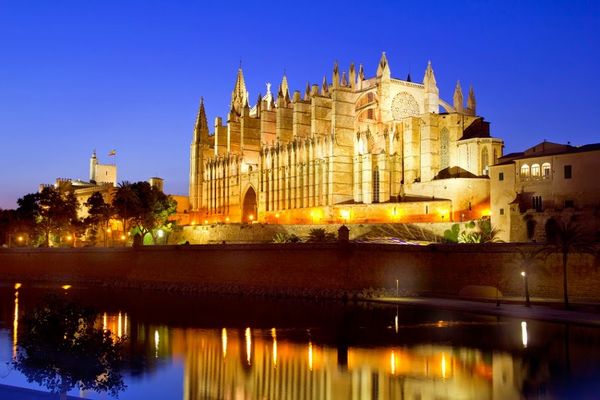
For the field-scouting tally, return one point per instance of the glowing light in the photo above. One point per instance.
(18, 286)
(251, 217)
(345, 214)
(248, 335)
(310, 355)
(205, 222)
(125, 325)
(119, 325)
(123, 237)
(524, 337)
(393, 363)
(276, 215)
(396, 322)
(69, 238)
(15, 325)
(315, 215)
(224, 342)
(108, 230)
(274, 335)
(104, 322)
(156, 342)
(523, 274)
(486, 213)
(443, 366)
(226, 219)
(160, 233)
(443, 213)
(20, 238)
(66, 287)
(193, 223)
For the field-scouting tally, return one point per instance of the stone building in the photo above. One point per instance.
(548, 180)
(357, 149)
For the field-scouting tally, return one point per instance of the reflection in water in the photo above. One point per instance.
(16, 322)
(156, 342)
(224, 342)
(524, 337)
(282, 369)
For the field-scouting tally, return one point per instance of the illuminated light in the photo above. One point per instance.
(18, 285)
(224, 342)
(248, 335)
(393, 363)
(486, 213)
(345, 214)
(66, 287)
(120, 325)
(523, 274)
(205, 222)
(524, 336)
(108, 230)
(15, 325)
(123, 237)
(156, 342)
(442, 324)
(277, 215)
(310, 356)
(396, 322)
(193, 223)
(226, 219)
(251, 217)
(69, 238)
(443, 366)
(160, 233)
(20, 238)
(104, 322)
(128, 233)
(274, 335)
(125, 325)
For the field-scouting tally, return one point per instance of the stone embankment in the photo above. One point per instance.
(304, 269)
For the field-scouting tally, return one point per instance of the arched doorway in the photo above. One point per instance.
(249, 209)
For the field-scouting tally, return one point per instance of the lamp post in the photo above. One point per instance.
(526, 283)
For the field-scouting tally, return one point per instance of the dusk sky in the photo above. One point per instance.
(128, 75)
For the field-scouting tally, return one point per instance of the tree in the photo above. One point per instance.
(143, 207)
(99, 216)
(60, 348)
(56, 213)
(320, 235)
(564, 238)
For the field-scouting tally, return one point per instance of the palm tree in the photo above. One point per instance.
(565, 238)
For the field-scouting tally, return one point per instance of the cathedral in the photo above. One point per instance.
(352, 150)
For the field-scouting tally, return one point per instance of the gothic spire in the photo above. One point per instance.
(336, 75)
(285, 89)
(383, 69)
(307, 91)
(324, 87)
(352, 75)
(361, 73)
(429, 80)
(458, 98)
(239, 94)
(344, 79)
(201, 126)
(471, 103)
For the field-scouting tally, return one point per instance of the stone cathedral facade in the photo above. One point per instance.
(355, 149)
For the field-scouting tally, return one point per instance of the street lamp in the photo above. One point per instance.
(526, 284)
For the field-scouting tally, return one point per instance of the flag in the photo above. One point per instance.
(112, 153)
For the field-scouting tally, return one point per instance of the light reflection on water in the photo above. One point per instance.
(397, 357)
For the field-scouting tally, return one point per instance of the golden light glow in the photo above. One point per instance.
(125, 325)
(160, 233)
(119, 325)
(251, 217)
(20, 238)
(69, 238)
(310, 355)
(393, 363)
(524, 336)
(396, 323)
(193, 223)
(316, 215)
(226, 219)
(205, 222)
(66, 287)
(345, 214)
(394, 212)
(444, 213)
(276, 215)
(15, 325)
(156, 343)
(248, 335)
(104, 322)
(486, 213)
(274, 335)
(18, 285)
(443, 366)
(108, 230)
(123, 237)
(523, 274)
(224, 342)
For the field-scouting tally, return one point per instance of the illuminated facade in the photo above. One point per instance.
(548, 180)
(364, 149)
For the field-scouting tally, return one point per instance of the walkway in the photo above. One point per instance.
(537, 311)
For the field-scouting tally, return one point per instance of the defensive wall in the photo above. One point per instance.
(304, 269)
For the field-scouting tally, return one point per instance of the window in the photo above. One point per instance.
(535, 170)
(376, 185)
(485, 162)
(524, 171)
(568, 172)
(502, 211)
(501, 176)
(426, 209)
(546, 170)
(537, 204)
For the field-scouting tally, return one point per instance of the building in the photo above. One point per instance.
(547, 180)
(357, 149)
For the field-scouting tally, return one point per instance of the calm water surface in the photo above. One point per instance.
(201, 347)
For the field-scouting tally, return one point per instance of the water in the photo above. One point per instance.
(191, 347)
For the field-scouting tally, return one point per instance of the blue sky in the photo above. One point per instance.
(127, 75)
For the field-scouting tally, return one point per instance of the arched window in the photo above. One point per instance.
(376, 185)
(546, 170)
(495, 156)
(485, 161)
(444, 149)
(524, 171)
(535, 170)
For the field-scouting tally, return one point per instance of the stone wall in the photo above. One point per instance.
(329, 270)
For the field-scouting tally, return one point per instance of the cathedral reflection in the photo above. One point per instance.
(262, 364)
